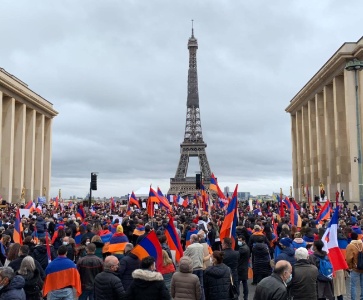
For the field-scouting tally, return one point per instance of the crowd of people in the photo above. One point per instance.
(64, 256)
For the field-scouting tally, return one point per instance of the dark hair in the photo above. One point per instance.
(318, 245)
(13, 251)
(218, 255)
(62, 250)
(147, 262)
(24, 249)
(228, 242)
(147, 228)
(354, 236)
(91, 247)
(162, 239)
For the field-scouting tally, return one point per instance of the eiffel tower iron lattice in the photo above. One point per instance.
(193, 144)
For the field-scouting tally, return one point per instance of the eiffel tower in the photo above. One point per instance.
(193, 144)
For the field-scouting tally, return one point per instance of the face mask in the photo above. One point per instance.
(288, 279)
(239, 243)
(87, 243)
(65, 243)
(1, 287)
(26, 231)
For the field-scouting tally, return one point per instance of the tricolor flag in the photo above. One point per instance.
(324, 213)
(150, 246)
(60, 275)
(215, 187)
(133, 200)
(18, 229)
(330, 240)
(180, 200)
(39, 209)
(56, 202)
(230, 221)
(295, 218)
(173, 240)
(163, 201)
(81, 213)
(29, 205)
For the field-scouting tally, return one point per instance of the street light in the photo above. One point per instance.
(357, 65)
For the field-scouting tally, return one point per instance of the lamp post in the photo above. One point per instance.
(357, 65)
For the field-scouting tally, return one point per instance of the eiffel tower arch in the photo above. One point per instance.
(193, 144)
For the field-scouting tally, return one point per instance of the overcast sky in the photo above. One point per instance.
(116, 71)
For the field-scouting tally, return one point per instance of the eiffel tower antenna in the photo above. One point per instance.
(193, 144)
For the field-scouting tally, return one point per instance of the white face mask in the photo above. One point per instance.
(65, 243)
(87, 243)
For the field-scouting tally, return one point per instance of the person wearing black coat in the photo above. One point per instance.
(244, 256)
(33, 283)
(129, 263)
(217, 279)
(108, 285)
(23, 252)
(260, 262)
(230, 259)
(147, 284)
(40, 253)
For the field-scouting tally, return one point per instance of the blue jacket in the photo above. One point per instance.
(14, 290)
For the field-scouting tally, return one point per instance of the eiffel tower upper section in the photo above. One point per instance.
(193, 144)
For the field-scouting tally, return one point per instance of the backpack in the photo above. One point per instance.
(325, 269)
(360, 260)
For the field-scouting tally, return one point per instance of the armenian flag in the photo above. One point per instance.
(118, 242)
(173, 240)
(215, 187)
(150, 246)
(163, 201)
(295, 219)
(29, 205)
(230, 221)
(324, 213)
(60, 274)
(18, 229)
(81, 213)
(133, 200)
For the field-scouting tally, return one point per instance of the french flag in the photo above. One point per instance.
(180, 200)
(331, 246)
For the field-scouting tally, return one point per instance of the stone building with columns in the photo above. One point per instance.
(26, 141)
(326, 128)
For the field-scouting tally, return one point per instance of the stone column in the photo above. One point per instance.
(330, 142)
(299, 152)
(321, 150)
(30, 153)
(306, 149)
(350, 114)
(7, 148)
(294, 155)
(39, 155)
(19, 150)
(313, 142)
(47, 155)
(343, 164)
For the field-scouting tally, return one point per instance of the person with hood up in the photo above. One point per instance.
(184, 284)
(41, 227)
(12, 285)
(40, 253)
(147, 284)
(217, 278)
(260, 262)
(129, 263)
(287, 252)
